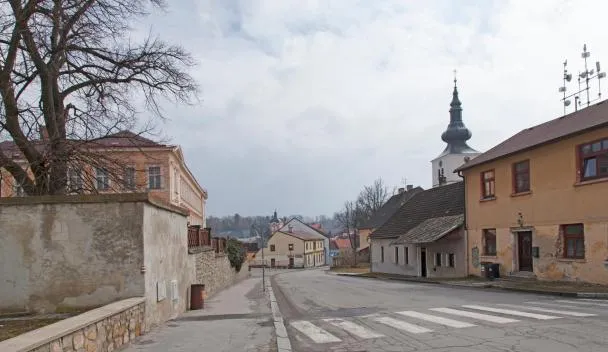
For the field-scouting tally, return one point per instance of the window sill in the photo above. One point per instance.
(487, 199)
(488, 257)
(590, 182)
(519, 194)
(571, 260)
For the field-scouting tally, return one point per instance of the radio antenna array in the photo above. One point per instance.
(583, 83)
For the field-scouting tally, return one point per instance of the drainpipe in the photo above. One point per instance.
(466, 230)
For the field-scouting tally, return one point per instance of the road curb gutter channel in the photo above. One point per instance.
(283, 343)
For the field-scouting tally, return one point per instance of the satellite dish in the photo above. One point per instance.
(569, 77)
(567, 103)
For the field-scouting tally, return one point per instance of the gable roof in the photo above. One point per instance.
(389, 208)
(341, 243)
(430, 230)
(301, 230)
(581, 121)
(447, 200)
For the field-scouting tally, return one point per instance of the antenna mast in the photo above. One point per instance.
(583, 77)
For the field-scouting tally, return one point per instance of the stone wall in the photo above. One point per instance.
(214, 271)
(105, 329)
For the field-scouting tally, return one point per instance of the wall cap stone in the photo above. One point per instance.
(46, 334)
(94, 198)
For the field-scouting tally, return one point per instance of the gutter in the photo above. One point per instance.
(466, 229)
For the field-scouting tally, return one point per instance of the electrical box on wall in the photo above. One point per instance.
(161, 290)
(536, 252)
(174, 293)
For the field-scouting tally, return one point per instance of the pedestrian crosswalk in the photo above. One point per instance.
(428, 320)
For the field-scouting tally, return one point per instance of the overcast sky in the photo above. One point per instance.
(306, 101)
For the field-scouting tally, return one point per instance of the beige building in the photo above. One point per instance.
(131, 163)
(294, 245)
(536, 203)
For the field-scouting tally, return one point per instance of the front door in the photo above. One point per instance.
(291, 262)
(272, 262)
(423, 262)
(524, 246)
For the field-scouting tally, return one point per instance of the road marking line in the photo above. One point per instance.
(486, 317)
(585, 303)
(436, 319)
(354, 329)
(314, 332)
(402, 325)
(555, 311)
(512, 312)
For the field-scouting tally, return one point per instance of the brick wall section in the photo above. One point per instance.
(214, 271)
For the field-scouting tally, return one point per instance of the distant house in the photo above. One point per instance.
(536, 203)
(384, 213)
(295, 245)
(425, 237)
(341, 249)
(131, 163)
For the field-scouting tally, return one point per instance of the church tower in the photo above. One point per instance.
(457, 152)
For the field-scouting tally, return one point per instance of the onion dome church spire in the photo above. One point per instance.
(457, 151)
(457, 134)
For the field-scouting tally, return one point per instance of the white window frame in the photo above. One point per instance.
(71, 178)
(124, 175)
(160, 176)
(98, 179)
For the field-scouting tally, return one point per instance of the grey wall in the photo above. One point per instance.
(451, 243)
(60, 255)
(389, 265)
(166, 259)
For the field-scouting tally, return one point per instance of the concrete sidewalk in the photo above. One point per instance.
(236, 319)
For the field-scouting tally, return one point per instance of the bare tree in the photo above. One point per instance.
(371, 198)
(72, 67)
(349, 219)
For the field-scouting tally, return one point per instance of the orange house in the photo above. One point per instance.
(536, 203)
(142, 165)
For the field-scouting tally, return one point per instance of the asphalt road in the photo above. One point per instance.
(325, 312)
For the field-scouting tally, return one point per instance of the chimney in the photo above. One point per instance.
(290, 229)
(410, 187)
(401, 190)
(43, 133)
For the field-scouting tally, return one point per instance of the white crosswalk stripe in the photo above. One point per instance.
(582, 302)
(402, 325)
(512, 312)
(478, 316)
(354, 329)
(436, 319)
(554, 311)
(314, 332)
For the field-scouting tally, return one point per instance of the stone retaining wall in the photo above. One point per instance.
(214, 271)
(104, 329)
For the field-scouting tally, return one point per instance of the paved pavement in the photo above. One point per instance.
(236, 319)
(336, 313)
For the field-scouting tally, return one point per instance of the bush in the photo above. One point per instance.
(236, 253)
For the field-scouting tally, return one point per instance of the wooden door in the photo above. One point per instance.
(524, 246)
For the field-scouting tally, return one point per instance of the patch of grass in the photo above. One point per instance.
(12, 328)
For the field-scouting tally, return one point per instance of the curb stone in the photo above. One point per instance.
(283, 343)
(597, 295)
